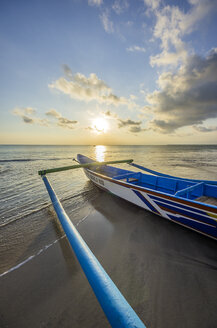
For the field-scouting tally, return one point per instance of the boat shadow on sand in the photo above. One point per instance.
(165, 271)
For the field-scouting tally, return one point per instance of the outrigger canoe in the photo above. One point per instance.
(190, 203)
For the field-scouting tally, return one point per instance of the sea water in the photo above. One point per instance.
(25, 204)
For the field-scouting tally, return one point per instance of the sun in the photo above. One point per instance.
(100, 125)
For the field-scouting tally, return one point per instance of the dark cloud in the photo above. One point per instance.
(26, 115)
(124, 123)
(164, 126)
(27, 119)
(66, 123)
(133, 126)
(205, 129)
(188, 97)
(110, 115)
(136, 129)
(59, 120)
(63, 122)
(67, 71)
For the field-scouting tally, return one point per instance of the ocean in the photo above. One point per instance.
(22, 191)
(28, 225)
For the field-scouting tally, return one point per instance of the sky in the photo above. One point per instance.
(108, 72)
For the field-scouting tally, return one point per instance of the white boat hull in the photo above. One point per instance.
(186, 213)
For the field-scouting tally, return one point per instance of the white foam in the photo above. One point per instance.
(30, 257)
(40, 251)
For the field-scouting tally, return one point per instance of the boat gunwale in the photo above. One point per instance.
(128, 185)
(203, 206)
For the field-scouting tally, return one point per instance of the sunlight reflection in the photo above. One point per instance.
(100, 153)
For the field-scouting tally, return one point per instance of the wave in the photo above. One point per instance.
(4, 170)
(43, 206)
(33, 159)
(17, 160)
(193, 164)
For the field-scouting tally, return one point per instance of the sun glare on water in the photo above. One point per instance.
(100, 125)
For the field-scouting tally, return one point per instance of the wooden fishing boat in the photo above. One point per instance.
(190, 203)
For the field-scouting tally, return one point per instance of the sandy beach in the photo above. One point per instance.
(167, 273)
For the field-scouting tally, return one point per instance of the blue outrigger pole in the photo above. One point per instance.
(117, 310)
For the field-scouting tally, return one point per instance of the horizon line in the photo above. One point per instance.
(82, 145)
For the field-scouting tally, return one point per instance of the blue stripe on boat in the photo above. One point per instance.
(150, 206)
(175, 202)
(194, 225)
(187, 213)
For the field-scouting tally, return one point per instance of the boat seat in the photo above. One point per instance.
(207, 200)
(188, 189)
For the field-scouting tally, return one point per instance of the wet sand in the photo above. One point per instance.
(167, 273)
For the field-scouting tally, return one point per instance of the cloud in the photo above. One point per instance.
(133, 126)
(107, 23)
(204, 128)
(110, 115)
(95, 2)
(171, 26)
(67, 71)
(66, 123)
(53, 113)
(169, 58)
(120, 6)
(187, 97)
(88, 89)
(29, 110)
(136, 129)
(25, 115)
(164, 126)
(136, 49)
(153, 4)
(89, 128)
(24, 111)
(42, 122)
(27, 119)
(124, 123)
(61, 121)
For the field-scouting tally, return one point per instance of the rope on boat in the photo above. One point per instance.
(117, 310)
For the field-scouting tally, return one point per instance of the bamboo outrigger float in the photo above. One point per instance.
(86, 165)
(117, 310)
